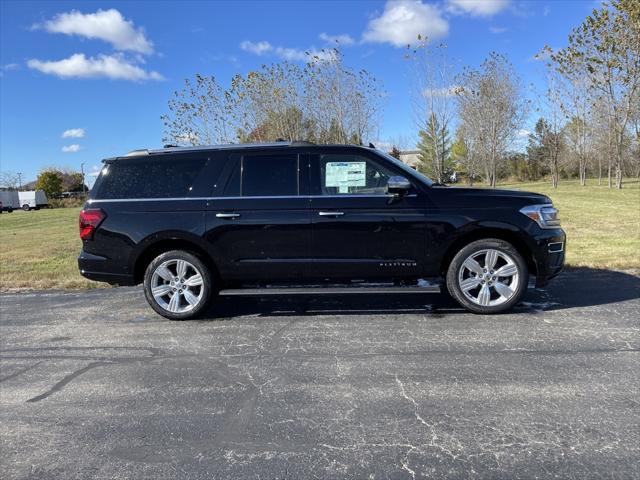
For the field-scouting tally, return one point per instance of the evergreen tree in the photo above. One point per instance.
(434, 149)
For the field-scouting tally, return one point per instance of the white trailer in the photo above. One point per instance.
(33, 199)
(10, 200)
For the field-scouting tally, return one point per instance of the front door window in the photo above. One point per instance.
(351, 175)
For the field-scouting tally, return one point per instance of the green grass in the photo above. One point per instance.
(602, 224)
(38, 249)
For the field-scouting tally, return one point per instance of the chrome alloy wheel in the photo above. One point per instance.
(489, 277)
(177, 286)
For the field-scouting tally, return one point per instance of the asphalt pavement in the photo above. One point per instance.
(94, 384)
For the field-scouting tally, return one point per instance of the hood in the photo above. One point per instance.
(487, 197)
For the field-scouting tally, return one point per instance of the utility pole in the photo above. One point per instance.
(84, 193)
(19, 181)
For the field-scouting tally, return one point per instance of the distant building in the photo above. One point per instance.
(410, 157)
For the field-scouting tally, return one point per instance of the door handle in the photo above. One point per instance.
(330, 214)
(227, 215)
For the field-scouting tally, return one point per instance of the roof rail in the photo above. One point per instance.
(301, 143)
(170, 145)
(135, 153)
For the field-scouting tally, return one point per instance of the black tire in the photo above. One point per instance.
(207, 284)
(26, 207)
(476, 248)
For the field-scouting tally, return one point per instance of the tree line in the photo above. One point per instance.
(588, 118)
(54, 181)
(468, 120)
(323, 101)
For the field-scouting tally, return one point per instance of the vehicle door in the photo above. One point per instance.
(359, 229)
(258, 221)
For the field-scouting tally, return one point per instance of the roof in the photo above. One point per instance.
(227, 146)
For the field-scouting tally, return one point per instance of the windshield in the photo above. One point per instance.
(411, 171)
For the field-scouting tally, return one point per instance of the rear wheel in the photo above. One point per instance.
(487, 276)
(178, 285)
(26, 207)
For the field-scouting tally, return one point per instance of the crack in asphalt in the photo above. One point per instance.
(19, 372)
(66, 380)
(99, 361)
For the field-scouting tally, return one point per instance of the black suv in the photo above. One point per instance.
(288, 218)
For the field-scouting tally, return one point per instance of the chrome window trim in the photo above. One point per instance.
(285, 197)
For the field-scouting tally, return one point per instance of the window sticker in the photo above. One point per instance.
(345, 174)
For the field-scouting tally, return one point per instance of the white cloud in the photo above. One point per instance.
(73, 133)
(7, 68)
(293, 54)
(498, 30)
(481, 8)
(344, 39)
(103, 66)
(287, 53)
(523, 133)
(403, 20)
(71, 148)
(442, 92)
(310, 55)
(257, 48)
(108, 25)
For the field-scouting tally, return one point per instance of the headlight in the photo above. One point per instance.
(544, 215)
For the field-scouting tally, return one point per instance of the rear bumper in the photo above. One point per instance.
(95, 267)
(549, 255)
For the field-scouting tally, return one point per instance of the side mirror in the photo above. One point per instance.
(398, 185)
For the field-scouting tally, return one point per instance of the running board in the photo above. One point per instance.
(328, 290)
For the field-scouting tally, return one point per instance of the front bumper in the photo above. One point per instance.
(95, 267)
(549, 255)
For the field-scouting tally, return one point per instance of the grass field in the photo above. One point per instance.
(38, 249)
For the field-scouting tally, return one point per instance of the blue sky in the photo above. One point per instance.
(81, 81)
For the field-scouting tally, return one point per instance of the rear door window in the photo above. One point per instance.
(269, 175)
(158, 178)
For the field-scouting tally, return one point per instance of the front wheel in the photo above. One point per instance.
(488, 276)
(26, 207)
(178, 285)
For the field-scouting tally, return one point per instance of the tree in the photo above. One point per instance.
(51, 182)
(491, 110)
(395, 152)
(343, 105)
(463, 158)
(518, 166)
(323, 101)
(434, 104)
(72, 181)
(568, 100)
(268, 103)
(434, 147)
(9, 180)
(605, 50)
(544, 146)
(199, 114)
(577, 135)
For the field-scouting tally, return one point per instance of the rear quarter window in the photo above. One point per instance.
(149, 178)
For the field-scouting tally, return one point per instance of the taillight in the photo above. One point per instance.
(89, 221)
